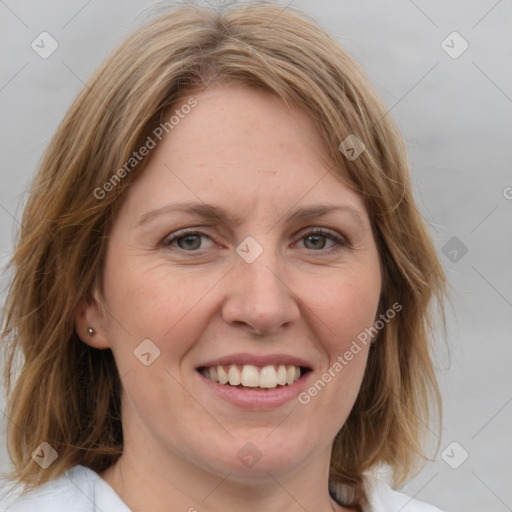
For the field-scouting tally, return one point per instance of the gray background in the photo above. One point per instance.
(455, 114)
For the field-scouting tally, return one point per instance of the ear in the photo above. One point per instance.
(90, 313)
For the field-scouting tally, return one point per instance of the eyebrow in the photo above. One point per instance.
(211, 212)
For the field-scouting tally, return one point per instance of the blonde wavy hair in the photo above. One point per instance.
(66, 393)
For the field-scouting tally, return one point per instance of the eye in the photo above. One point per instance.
(320, 239)
(187, 240)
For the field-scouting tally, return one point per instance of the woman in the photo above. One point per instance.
(222, 285)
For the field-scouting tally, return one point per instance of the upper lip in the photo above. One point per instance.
(257, 360)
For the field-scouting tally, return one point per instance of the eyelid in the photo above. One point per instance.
(322, 231)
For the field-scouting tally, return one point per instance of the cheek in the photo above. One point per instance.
(347, 305)
(169, 307)
(155, 302)
(341, 312)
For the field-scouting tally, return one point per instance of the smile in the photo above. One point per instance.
(249, 376)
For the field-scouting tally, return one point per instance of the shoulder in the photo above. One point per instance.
(80, 486)
(382, 498)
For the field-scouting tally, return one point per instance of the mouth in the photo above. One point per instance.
(255, 382)
(252, 377)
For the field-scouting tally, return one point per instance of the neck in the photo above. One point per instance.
(152, 475)
(146, 483)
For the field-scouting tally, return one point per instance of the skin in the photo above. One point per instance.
(244, 150)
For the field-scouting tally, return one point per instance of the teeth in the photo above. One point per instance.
(222, 375)
(290, 374)
(250, 376)
(281, 375)
(268, 377)
(234, 376)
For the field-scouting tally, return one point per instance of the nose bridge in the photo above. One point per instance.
(260, 279)
(259, 296)
(262, 275)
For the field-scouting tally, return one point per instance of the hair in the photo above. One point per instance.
(67, 393)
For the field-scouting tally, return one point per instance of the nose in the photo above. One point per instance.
(258, 299)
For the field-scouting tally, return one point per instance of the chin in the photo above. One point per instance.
(245, 459)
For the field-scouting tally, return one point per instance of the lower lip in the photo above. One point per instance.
(252, 399)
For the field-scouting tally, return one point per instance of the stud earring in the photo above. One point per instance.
(90, 331)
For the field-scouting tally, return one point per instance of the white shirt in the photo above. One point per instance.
(82, 490)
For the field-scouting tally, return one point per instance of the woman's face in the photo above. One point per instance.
(238, 254)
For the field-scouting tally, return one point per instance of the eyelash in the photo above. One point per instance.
(340, 242)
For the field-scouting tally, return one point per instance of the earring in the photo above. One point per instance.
(90, 331)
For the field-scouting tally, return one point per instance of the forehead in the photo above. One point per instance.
(244, 148)
(236, 121)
